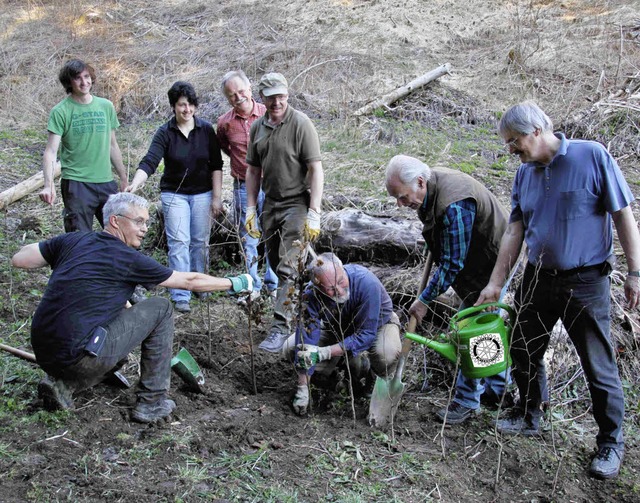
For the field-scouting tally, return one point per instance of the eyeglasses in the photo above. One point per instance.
(512, 143)
(138, 222)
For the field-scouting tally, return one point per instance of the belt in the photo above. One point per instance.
(566, 272)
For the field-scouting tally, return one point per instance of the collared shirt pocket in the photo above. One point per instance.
(576, 204)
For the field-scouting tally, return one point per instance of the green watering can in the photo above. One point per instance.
(479, 337)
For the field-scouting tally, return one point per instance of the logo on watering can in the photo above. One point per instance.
(486, 350)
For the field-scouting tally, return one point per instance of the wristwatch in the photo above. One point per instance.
(634, 273)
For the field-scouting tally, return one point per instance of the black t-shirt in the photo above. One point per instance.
(188, 162)
(94, 274)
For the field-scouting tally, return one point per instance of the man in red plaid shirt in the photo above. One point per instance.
(233, 136)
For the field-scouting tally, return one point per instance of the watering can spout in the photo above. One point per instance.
(446, 349)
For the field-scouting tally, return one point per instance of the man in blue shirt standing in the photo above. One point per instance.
(566, 193)
(463, 224)
(348, 311)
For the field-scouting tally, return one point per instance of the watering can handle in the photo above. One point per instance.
(465, 313)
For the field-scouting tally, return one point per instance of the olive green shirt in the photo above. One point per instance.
(283, 152)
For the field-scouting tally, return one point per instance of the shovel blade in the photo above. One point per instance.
(187, 368)
(385, 399)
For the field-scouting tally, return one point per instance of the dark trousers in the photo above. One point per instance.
(581, 301)
(282, 224)
(148, 325)
(83, 201)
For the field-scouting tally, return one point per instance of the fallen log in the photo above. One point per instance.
(353, 235)
(356, 236)
(403, 91)
(12, 194)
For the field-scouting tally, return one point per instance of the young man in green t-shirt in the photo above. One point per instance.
(83, 127)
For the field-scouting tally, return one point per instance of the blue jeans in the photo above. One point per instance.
(187, 223)
(249, 244)
(469, 390)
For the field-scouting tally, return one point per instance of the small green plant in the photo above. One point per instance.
(192, 473)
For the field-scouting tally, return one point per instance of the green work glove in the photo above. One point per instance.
(311, 355)
(241, 284)
(301, 400)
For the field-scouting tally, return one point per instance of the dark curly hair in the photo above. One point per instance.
(71, 70)
(180, 89)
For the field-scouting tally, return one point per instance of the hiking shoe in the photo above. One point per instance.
(515, 422)
(359, 366)
(456, 413)
(274, 342)
(55, 394)
(251, 297)
(151, 412)
(182, 307)
(493, 402)
(606, 463)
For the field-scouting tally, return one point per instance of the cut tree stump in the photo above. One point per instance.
(403, 91)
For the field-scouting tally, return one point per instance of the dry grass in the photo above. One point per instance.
(336, 56)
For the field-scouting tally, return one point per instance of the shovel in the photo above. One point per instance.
(387, 393)
(187, 368)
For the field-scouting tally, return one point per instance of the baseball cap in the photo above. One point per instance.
(273, 83)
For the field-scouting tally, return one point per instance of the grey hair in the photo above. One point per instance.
(234, 74)
(323, 263)
(119, 203)
(524, 118)
(407, 169)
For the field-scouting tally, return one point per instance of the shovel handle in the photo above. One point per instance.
(30, 357)
(413, 322)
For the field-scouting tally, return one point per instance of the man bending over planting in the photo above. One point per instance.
(348, 312)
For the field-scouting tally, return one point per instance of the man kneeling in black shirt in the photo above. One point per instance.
(81, 328)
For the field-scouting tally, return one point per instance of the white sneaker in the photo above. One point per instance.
(253, 296)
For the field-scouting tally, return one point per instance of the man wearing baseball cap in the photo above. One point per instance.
(284, 159)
